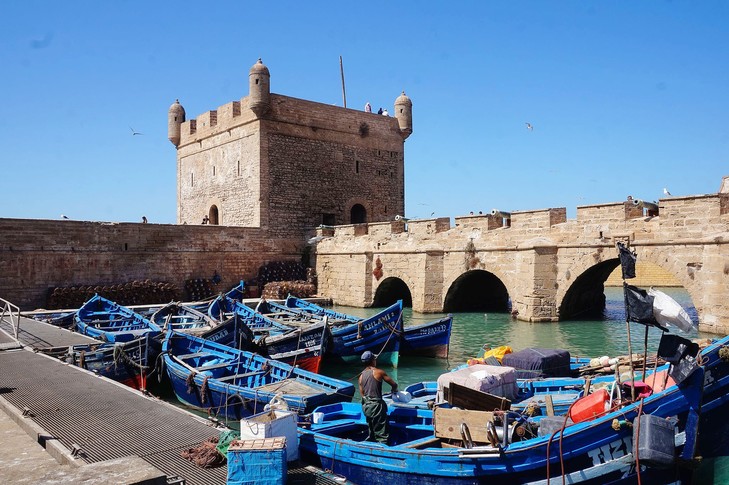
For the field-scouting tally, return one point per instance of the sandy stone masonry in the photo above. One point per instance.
(288, 165)
(539, 257)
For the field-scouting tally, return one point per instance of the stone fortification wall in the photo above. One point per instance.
(538, 255)
(321, 160)
(296, 166)
(647, 274)
(36, 255)
(218, 164)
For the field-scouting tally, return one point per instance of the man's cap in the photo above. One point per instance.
(367, 356)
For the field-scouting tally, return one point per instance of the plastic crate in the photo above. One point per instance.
(259, 461)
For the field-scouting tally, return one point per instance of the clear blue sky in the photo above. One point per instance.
(624, 97)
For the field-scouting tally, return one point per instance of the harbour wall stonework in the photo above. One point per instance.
(38, 255)
(549, 265)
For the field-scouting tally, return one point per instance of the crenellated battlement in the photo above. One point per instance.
(213, 122)
(707, 211)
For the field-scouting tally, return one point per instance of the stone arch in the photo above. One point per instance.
(390, 290)
(357, 214)
(585, 297)
(477, 290)
(213, 215)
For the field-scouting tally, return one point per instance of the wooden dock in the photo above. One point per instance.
(86, 419)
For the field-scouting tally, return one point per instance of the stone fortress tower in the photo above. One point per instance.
(287, 165)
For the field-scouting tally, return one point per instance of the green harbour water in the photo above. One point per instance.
(471, 331)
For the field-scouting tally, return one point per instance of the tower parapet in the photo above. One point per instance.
(175, 118)
(404, 114)
(259, 88)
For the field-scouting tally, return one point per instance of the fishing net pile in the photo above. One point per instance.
(280, 271)
(131, 293)
(199, 289)
(279, 290)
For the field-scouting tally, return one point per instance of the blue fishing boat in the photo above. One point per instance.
(110, 322)
(127, 362)
(301, 343)
(62, 319)
(430, 339)
(233, 383)
(351, 336)
(182, 318)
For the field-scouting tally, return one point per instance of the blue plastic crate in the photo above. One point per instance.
(259, 461)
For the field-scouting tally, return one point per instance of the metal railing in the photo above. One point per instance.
(13, 316)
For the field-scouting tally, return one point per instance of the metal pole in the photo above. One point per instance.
(344, 93)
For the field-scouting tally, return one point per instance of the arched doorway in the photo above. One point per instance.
(477, 290)
(390, 290)
(358, 214)
(213, 215)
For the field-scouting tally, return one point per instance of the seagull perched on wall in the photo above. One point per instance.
(529, 126)
(666, 192)
(135, 132)
(64, 216)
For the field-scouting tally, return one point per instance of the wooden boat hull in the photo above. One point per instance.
(232, 383)
(430, 339)
(182, 318)
(379, 334)
(128, 362)
(110, 322)
(302, 347)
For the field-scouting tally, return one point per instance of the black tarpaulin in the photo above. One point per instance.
(534, 362)
(639, 306)
(627, 261)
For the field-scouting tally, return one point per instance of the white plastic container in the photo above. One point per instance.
(273, 424)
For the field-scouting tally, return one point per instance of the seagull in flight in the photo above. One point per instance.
(135, 132)
(529, 126)
(666, 192)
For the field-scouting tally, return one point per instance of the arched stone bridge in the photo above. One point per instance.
(536, 263)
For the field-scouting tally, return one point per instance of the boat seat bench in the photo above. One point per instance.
(196, 354)
(236, 376)
(216, 366)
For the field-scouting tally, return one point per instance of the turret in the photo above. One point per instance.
(259, 88)
(175, 118)
(404, 114)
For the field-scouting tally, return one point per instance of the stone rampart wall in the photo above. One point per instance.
(539, 255)
(37, 255)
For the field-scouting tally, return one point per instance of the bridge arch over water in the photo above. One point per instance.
(390, 290)
(477, 290)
